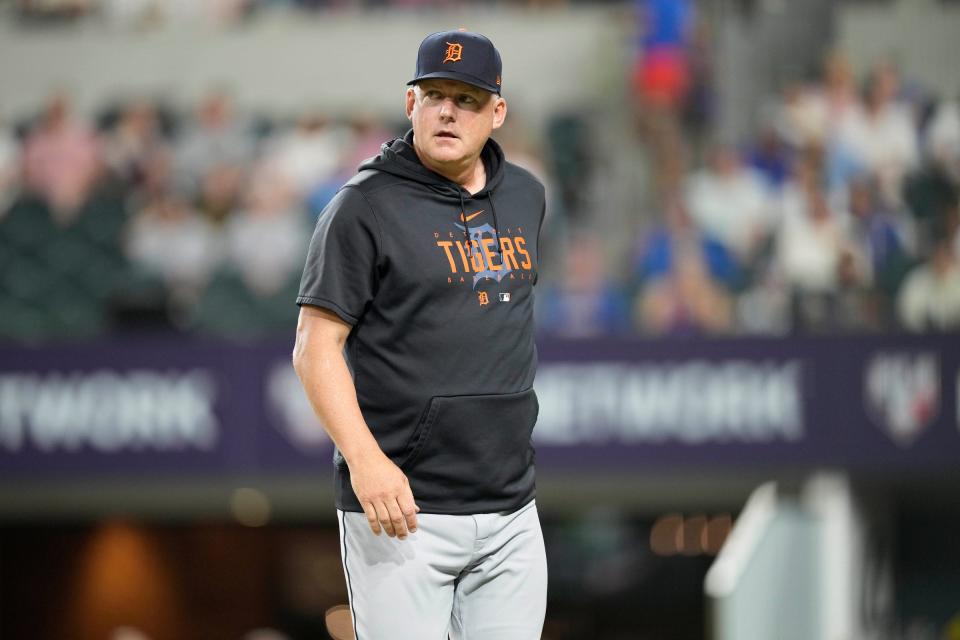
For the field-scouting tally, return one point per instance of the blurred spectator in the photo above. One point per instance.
(158, 174)
(661, 248)
(685, 301)
(661, 81)
(308, 155)
(661, 72)
(882, 135)
(170, 241)
(133, 143)
(267, 241)
(219, 193)
(730, 202)
(811, 113)
(770, 158)
(933, 190)
(838, 96)
(584, 303)
(801, 119)
(882, 241)
(683, 274)
(61, 159)
(931, 194)
(930, 297)
(214, 143)
(840, 102)
(812, 246)
(803, 122)
(943, 137)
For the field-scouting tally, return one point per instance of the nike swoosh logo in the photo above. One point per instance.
(472, 215)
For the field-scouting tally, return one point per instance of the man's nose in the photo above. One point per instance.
(448, 109)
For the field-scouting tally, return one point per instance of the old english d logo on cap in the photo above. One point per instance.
(454, 52)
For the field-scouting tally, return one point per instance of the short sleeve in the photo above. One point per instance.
(341, 267)
(543, 216)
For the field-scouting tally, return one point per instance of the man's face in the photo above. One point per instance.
(452, 120)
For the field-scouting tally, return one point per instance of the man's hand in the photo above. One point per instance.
(384, 493)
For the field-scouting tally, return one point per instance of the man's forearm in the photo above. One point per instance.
(330, 390)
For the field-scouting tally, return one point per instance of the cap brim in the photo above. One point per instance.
(460, 77)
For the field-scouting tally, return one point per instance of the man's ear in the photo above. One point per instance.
(499, 112)
(411, 99)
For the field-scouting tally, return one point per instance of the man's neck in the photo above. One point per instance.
(472, 176)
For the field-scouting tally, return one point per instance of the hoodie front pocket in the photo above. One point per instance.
(473, 447)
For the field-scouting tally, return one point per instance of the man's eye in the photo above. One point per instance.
(433, 94)
(465, 99)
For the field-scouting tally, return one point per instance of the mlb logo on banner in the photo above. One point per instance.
(903, 393)
(504, 297)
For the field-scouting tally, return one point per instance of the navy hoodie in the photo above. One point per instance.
(438, 285)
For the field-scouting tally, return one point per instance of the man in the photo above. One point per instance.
(415, 347)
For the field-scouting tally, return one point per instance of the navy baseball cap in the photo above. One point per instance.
(459, 55)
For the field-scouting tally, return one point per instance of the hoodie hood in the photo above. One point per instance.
(399, 158)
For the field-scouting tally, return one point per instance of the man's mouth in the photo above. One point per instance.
(446, 134)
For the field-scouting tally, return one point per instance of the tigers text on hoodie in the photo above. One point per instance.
(438, 285)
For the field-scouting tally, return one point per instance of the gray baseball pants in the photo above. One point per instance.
(478, 577)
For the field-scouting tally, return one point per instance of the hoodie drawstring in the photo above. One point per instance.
(496, 226)
(466, 225)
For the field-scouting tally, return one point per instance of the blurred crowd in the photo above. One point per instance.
(840, 214)
(150, 218)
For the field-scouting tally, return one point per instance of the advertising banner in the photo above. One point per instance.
(173, 405)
